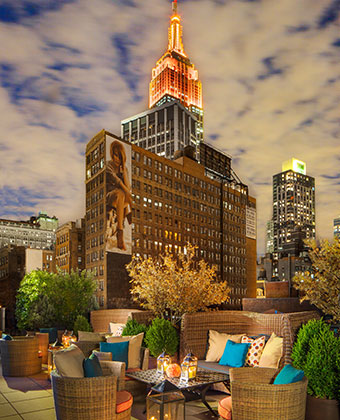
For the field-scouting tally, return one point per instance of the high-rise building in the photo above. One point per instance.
(162, 130)
(175, 77)
(336, 227)
(172, 202)
(293, 203)
(293, 215)
(45, 222)
(175, 117)
(28, 234)
(70, 246)
(270, 237)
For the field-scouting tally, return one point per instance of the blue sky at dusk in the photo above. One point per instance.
(68, 68)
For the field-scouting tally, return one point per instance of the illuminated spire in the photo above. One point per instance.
(175, 32)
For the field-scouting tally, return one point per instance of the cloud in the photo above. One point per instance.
(270, 73)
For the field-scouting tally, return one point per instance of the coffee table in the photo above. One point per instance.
(193, 390)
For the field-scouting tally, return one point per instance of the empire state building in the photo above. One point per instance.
(175, 77)
(174, 119)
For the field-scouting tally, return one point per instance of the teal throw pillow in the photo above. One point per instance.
(92, 367)
(234, 354)
(288, 375)
(120, 351)
(7, 337)
(52, 334)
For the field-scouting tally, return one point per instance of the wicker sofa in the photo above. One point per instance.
(195, 330)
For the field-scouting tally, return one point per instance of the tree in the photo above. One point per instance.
(32, 306)
(54, 300)
(72, 295)
(321, 286)
(170, 286)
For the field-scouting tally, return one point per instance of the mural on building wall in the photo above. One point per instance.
(118, 196)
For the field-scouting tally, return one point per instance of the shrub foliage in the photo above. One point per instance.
(170, 286)
(162, 336)
(322, 285)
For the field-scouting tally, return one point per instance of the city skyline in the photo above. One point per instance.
(271, 91)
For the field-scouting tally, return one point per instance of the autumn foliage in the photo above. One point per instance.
(322, 285)
(170, 286)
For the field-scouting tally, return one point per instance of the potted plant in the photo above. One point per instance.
(317, 352)
(161, 337)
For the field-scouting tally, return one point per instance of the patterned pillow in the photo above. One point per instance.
(255, 349)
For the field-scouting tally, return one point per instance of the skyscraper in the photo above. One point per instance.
(175, 76)
(293, 204)
(336, 227)
(174, 119)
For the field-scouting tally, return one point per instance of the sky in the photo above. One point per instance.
(68, 68)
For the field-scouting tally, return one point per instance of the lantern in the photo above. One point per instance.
(165, 406)
(66, 338)
(53, 348)
(189, 367)
(163, 361)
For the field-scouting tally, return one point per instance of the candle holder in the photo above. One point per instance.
(189, 367)
(165, 406)
(163, 361)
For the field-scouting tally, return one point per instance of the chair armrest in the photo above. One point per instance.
(252, 375)
(115, 368)
(145, 355)
(257, 398)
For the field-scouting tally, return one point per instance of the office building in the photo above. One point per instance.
(162, 130)
(270, 237)
(12, 271)
(175, 117)
(45, 222)
(336, 227)
(28, 234)
(293, 203)
(173, 202)
(70, 246)
(39, 259)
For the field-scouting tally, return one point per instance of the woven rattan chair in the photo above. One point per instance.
(255, 397)
(87, 398)
(20, 356)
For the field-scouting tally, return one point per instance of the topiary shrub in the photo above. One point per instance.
(161, 336)
(133, 327)
(81, 324)
(317, 353)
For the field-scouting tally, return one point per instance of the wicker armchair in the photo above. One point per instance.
(20, 356)
(253, 396)
(88, 398)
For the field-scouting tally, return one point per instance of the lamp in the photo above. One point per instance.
(189, 367)
(163, 361)
(67, 338)
(165, 406)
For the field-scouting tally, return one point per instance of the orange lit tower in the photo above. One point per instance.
(175, 77)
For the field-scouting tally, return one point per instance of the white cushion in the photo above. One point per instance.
(103, 355)
(135, 344)
(217, 343)
(116, 329)
(272, 352)
(69, 362)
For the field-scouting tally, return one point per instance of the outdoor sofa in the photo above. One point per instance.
(195, 330)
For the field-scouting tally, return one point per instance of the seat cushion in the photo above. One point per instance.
(217, 343)
(124, 401)
(288, 375)
(272, 352)
(92, 367)
(120, 351)
(216, 367)
(69, 362)
(224, 408)
(135, 344)
(234, 354)
(255, 350)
